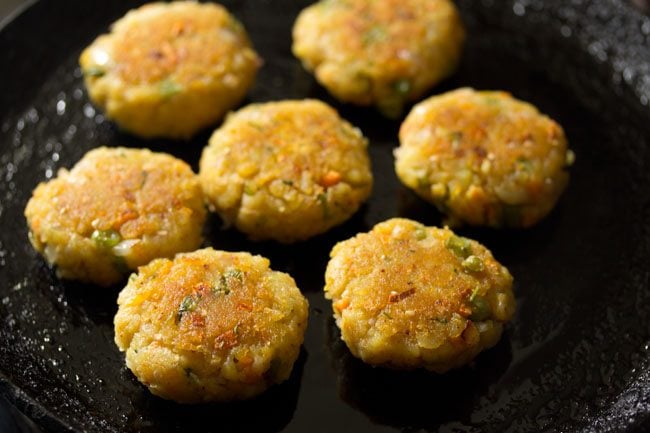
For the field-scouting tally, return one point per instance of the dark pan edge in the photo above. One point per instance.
(15, 13)
(617, 415)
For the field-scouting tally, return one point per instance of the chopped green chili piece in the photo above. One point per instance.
(188, 304)
(459, 245)
(222, 286)
(480, 308)
(473, 263)
(169, 88)
(94, 71)
(322, 199)
(287, 182)
(420, 233)
(226, 278)
(234, 273)
(388, 316)
(106, 238)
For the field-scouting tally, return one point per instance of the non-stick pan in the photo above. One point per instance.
(576, 357)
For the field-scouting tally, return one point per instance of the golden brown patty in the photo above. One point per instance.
(408, 296)
(379, 52)
(484, 158)
(115, 210)
(286, 170)
(170, 69)
(210, 326)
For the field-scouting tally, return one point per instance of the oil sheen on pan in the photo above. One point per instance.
(576, 355)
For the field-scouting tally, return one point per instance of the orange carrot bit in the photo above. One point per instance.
(226, 340)
(342, 304)
(245, 307)
(331, 178)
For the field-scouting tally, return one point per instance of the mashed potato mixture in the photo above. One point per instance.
(407, 296)
(210, 326)
(484, 158)
(115, 210)
(286, 170)
(379, 52)
(170, 69)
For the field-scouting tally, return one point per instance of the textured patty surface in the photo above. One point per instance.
(210, 326)
(408, 296)
(484, 158)
(115, 210)
(170, 69)
(379, 52)
(286, 170)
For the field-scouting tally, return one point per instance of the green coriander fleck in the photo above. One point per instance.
(187, 305)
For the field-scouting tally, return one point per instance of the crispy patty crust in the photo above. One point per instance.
(170, 69)
(484, 158)
(210, 326)
(407, 296)
(286, 170)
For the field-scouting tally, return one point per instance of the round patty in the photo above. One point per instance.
(210, 326)
(115, 210)
(286, 170)
(379, 52)
(170, 69)
(408, 296)
(484, 158)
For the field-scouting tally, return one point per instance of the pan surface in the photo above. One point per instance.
(576, 357)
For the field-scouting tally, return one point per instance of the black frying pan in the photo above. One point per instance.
(575, 357)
